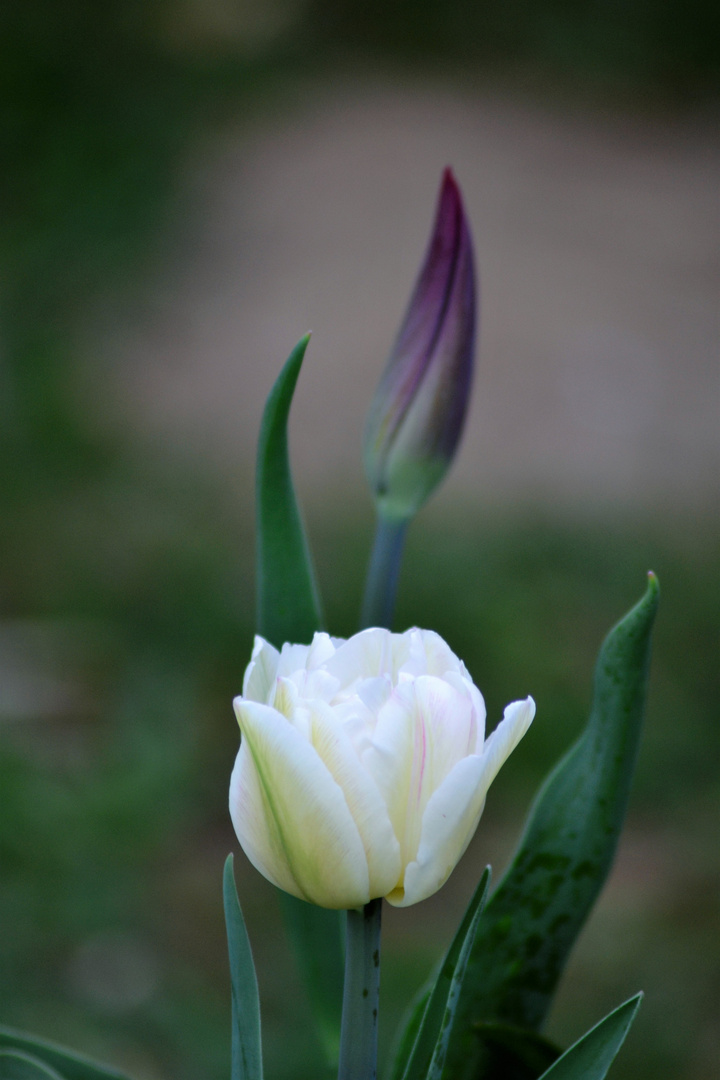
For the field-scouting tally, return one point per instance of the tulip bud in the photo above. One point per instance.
(363, 765)
(417, 414)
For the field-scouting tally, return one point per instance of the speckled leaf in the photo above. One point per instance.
(427, 1057)
(57, 1059)
(539, 908)
(288, 609)
(591, 1057)
(522, 1054)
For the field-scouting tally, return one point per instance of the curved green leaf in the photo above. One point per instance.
(246, 1040)
(407, 1034)
(591, 1057)
(67, 1063)
(15, 1065)
(288, 604)
(430, 1047)
(521, 1054)
(288, 609)
(539, 908)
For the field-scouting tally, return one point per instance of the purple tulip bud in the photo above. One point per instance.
(417, 415)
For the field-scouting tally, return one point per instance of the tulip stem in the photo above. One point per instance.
(358, 1034)
(383, 573)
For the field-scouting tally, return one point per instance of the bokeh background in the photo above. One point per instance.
(186, 188)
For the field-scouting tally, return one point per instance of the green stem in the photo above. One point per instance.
(358, 1035)
(383, 573)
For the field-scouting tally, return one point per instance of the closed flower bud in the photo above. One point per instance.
(417, 415)
(363, 765)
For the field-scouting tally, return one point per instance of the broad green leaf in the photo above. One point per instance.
(591, 1057)
(246, 1041)
(16, 1065)
(317, 938)
(407, 1034)
(520, 1053)
(288, 605)
(289, 610)
(540, 906)
(67, 1063)
(428, 1053)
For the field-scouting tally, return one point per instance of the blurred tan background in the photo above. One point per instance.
(597, 240)
(187, 188)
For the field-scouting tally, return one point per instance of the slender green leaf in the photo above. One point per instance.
(428, 1053)
(289, 610)
(246, 1041)
(70, 1065)
(16, 1065)
(591, 1057)
(539, 908)
(288, 605)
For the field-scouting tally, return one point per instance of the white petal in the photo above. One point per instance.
(363, 656)
(454, 809)
(439, 656)
(322, 648)
(448, 826)
(293, 659)
(291, 817)
(517, 718)
(423, 729)
(260, 672)
(363, 798)
(464, 685)
(389, 759)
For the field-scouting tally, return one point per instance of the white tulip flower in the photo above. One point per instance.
(363, 765)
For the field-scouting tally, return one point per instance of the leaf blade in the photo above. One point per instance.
(289, 609)
(592, 1055)
(16, 1065)
(288, 601)
(71, 1065)
(246, 1036)
(427, 1058)
(537, 911)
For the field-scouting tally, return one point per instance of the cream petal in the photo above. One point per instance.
(308, 836)
(260, 672)
(257, 839)
(364, 801)
(284, 697)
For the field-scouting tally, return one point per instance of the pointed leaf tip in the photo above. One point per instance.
(537, 911)
(288, 602)
(591, 1056)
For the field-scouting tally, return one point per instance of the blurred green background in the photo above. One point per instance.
(126, 563)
